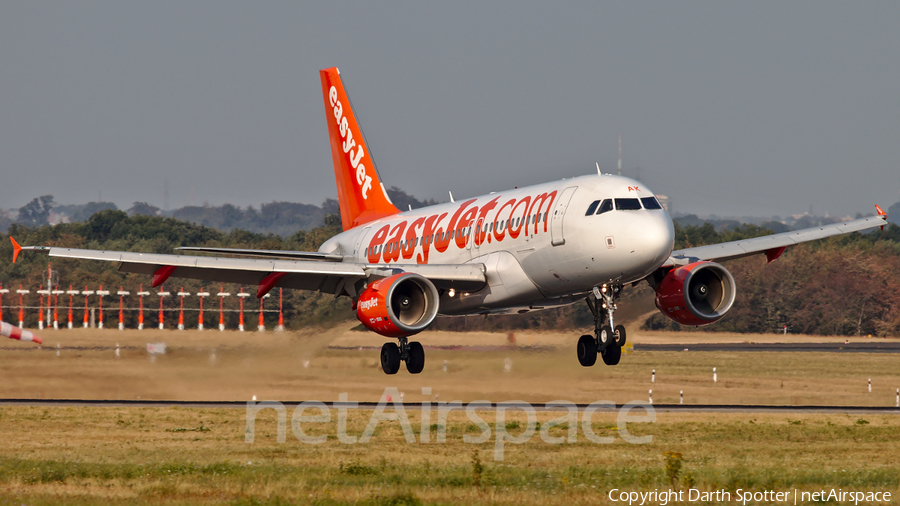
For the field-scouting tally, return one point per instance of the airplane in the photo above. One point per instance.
(508, 252)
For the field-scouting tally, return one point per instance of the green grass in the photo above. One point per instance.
(84, 456)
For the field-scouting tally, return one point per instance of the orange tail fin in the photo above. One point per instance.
(361, 195)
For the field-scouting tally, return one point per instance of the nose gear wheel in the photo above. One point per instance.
(608, 337)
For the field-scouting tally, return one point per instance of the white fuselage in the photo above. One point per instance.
(537, 244)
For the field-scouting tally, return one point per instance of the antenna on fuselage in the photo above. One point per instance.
(451, 196)
(410, 206)
(598, 169)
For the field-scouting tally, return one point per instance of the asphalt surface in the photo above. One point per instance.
(863, 347)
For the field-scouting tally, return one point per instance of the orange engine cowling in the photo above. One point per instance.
(696, 294)
(398, 306)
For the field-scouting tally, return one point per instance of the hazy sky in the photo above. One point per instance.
(733, 108)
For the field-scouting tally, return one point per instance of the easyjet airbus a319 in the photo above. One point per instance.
(514, 251)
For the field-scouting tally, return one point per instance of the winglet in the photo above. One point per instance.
(881, 213)
(16, 249)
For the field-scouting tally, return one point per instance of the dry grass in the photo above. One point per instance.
(295, 366)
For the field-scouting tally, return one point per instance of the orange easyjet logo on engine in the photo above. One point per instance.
(362, 178)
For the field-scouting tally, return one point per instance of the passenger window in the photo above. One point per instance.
(628, 204)
(650, 203)
(592, 208)
(606, 206)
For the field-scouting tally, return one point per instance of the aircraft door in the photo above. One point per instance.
(556, 218)
(474, 234)
(357, 251)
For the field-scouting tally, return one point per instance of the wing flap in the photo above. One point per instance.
(268, 253)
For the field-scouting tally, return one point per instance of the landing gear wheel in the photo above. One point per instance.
(620, 335)
(416, 360)
(390, 358)
(612, 354)
(587, 350)
(607, 338)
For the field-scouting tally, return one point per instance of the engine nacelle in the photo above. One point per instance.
(696, 294)
(398, 306)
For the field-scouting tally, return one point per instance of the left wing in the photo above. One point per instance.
(338, 278)
(772, 245)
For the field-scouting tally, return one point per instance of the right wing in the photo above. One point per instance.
(772, 245)
(338, 278)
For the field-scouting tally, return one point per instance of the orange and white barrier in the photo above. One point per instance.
(2, 291)
(201, 294)
(122, 293)
(221, 295)
(141, 294)
(13, 332)
(241, 296)
(72, 294)
(161, 318)
(22, 294)
(102, 293)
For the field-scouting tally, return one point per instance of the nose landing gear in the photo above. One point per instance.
(608, 339)
(410, 352)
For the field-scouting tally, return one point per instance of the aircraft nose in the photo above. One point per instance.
(651, 238)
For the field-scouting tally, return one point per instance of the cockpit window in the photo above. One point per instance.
(606, 206)
(650, 203)
(628, 204)
(592, 208)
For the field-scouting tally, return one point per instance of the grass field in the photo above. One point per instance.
(199, 456)
(88, 455)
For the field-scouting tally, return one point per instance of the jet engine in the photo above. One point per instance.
(398, 306)
(696, 294)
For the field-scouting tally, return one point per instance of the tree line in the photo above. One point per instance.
(847, 285)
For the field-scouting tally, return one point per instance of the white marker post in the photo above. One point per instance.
(122, 293)
(117, 350)
(681, 397)
(870, 385)
(102, 293)
(650, 393)
(221, 295)
(898, 398)
(715, 376)
(653, 376)
(200, 318)
(161, 317)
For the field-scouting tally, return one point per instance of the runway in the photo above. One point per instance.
(481, 406)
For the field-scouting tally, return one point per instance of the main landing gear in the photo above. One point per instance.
(607, 340)
(410, 352)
